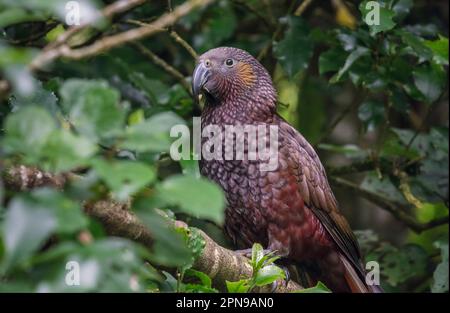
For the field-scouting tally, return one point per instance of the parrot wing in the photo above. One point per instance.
(318, 196)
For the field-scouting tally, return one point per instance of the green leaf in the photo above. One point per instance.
(351, 59)
(204, 279)
(240, 286)
(371, 113)
(439, 48)
(332, 60)
(319, 288)
(257, 254)
(65, 151)
(296, 48)
(402, 8)
(124, 178)
(152, 134)
(196, 196)
(169, 248)
(190, 167)
(15, 15)
(27, 130)
(25, 228)
(220, 25)
(430, 80)
(15, 56)
(440, 275)
(384, 187)
(415, 45)
(156, 91)
(94, 108)
(377, 22)
(268, 274)
(399, 101)
(40, 97)
(69, 215)
(106, 265)
(401, 264)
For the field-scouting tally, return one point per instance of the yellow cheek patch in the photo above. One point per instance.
(245, 73)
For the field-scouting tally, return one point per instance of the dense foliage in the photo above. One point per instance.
(104, 121)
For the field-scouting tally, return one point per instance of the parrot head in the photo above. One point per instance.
(229, 73)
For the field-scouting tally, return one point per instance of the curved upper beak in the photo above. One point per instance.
(199, 79)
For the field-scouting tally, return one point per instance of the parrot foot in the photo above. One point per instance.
(284, 282)
(248, 252)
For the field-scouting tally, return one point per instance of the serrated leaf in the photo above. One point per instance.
(169, 248)
(332, 60)
(371, 113)
(64, 151)
(377, 16)
(430, 80)
(296, 48)
(27, 130)
(196, 196)
(40, 97)
(93, 108)
(152, 134)
(124, 177)
(25, 229)
(351, 59)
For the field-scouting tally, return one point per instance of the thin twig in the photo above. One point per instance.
(108, 12)
(106, 43)
(397, 209)
(420, 128)
(184, 44)
(302, 7)
(163, 64)
(172, 34)
(359, 97)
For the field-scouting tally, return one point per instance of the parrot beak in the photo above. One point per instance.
(199, 79)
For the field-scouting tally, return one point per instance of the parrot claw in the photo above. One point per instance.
(284, 282)
(248, 252)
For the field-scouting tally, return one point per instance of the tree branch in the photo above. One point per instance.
(397, 209)
(163, 64)
(108, 12)
(217, 262)
(108, 42)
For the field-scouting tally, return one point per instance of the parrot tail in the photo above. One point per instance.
(355, 282)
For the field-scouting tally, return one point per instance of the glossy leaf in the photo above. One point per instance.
(295, 50)
(195, 196)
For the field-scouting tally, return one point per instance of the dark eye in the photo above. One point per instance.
(229, 62)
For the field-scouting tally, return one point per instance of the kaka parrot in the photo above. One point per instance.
(290, 209)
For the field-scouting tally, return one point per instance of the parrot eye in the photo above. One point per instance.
(229, 62)
(207, 63)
